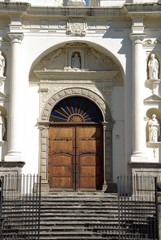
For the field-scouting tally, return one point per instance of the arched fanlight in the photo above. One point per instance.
(76, 109)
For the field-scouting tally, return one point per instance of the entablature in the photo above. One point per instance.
(77, 75)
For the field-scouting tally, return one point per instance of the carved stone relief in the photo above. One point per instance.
(76, 27)
(149, 42)
(71, 92)
(54, 60)
(91, 59)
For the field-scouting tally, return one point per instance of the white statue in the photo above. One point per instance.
(153, 66)
(76, 61)
(2, 64)
(2, 126)
(154, 129)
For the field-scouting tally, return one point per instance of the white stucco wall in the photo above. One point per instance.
(30, 146)
(109, 36)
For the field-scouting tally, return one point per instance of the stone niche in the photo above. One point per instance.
(82, 3)
(153, 127)
(76, 3)
(153, 72)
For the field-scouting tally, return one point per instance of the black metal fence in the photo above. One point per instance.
(20, 204)
(1, 201)
(20, 198)
(137, 208)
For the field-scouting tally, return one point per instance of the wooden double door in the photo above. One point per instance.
(75, 159)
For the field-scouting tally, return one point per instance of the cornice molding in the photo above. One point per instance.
(142, 9)
(76, 75)
(14, 7)
(128, 10)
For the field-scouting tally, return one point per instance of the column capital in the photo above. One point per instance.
(137, 38)
(16, 37)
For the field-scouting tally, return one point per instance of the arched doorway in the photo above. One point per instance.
(75, 154)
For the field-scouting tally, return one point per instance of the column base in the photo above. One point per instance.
(139, 157)
(145, 169)
(111, 187)
(13, 156)
(45, 186)
(11, 167)
(104, 187)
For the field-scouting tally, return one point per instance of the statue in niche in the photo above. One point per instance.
(76, 61)
(153, 66)
(76, 2)
(154, 129)
(2, 127)
(2, 65)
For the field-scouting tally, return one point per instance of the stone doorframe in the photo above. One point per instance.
(43, 124)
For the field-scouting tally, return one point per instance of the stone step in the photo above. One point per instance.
(71, 235)
(81, 216)
(77, 216)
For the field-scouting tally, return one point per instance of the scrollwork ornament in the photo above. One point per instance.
(150, 42)
(137, 38)
(16, 37)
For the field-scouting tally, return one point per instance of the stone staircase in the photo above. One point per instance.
(79, 216)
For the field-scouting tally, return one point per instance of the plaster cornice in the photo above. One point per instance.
(128, 10)
(76, 75)
(17, 7)
(146, 9)
(26, 10)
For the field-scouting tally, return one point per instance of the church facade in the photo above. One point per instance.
(80, 92)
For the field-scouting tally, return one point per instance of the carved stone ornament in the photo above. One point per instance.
(76, 28)
(153, 85)
(94, 66)
(149, 42)
(54, 99)
(91, 59)
(76, 3)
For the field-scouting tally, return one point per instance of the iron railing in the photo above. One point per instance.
(137, 208)
(20, 212)
(1, 201)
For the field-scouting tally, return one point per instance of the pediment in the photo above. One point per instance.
(60, 63)
(153, 99)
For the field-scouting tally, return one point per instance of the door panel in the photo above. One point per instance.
(89, 141)
(75, 157)
(61, 140)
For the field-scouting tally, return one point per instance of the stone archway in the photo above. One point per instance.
(44, 124)
(74, 91)
(59, 78)
(75, 152)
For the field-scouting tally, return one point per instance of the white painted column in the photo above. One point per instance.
(15, 115)
(138, 129)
